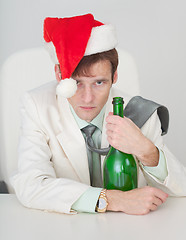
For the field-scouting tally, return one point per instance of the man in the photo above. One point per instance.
(54, 170)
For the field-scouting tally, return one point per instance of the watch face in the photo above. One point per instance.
(102, 203)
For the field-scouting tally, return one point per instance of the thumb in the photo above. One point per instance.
(110, 114)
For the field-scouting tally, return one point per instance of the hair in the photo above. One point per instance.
(83, 68)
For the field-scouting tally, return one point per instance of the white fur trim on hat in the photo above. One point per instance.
(52, 52)
(66, 88)
(102, 38)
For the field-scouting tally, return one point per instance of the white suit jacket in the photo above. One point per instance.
(53, 167)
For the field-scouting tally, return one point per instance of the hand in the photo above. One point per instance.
(125, 136)
(138, 201)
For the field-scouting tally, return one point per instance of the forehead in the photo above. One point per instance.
(99, 69)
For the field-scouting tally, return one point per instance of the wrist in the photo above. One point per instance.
(113, 197)
(150, 155)
(109, 199)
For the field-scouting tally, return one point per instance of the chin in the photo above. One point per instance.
(87, 118)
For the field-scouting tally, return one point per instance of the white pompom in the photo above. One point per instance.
(66, 88)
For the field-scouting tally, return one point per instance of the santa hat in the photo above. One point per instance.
(69, 39)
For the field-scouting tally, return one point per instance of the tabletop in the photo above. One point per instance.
(19, 222)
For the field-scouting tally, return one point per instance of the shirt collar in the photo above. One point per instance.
(97, 121)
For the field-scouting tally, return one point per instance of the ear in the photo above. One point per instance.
(57, 72)
(115, 78)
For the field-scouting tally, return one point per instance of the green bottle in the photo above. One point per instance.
(119, 169)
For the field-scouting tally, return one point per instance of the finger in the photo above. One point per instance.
(110, 113)
(109, 126)
(153, 207)
(109, 129)
(112, 118)
(111, 141)
(114, 132)
(160, 194)
(109, 133)
(157, 201)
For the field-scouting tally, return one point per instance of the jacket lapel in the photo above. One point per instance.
(72, 141)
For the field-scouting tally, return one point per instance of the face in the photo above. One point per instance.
(93, 91)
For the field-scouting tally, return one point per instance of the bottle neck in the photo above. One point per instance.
(118, 109)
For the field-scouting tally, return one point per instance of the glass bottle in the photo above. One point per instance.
(119, 169)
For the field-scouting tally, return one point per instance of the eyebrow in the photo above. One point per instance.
(96, 80)
(101, 80)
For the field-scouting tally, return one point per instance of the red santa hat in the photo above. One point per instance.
(69, 39)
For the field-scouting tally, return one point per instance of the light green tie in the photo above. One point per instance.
(94, 158)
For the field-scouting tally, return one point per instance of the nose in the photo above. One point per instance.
(88, 94)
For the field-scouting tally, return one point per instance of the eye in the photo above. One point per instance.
(99, 83)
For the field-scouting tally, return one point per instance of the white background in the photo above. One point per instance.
(153, 31)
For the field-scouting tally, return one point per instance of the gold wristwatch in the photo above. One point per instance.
(102, 202)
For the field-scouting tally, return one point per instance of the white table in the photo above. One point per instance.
(20, 223)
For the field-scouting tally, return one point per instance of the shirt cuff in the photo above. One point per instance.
(87, 201)
(160, 171)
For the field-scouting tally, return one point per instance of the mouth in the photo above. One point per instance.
(87, 108)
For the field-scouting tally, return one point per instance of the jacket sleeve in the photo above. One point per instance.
(159, 171)
(35, 182)
(175, 182)
(88, 201)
